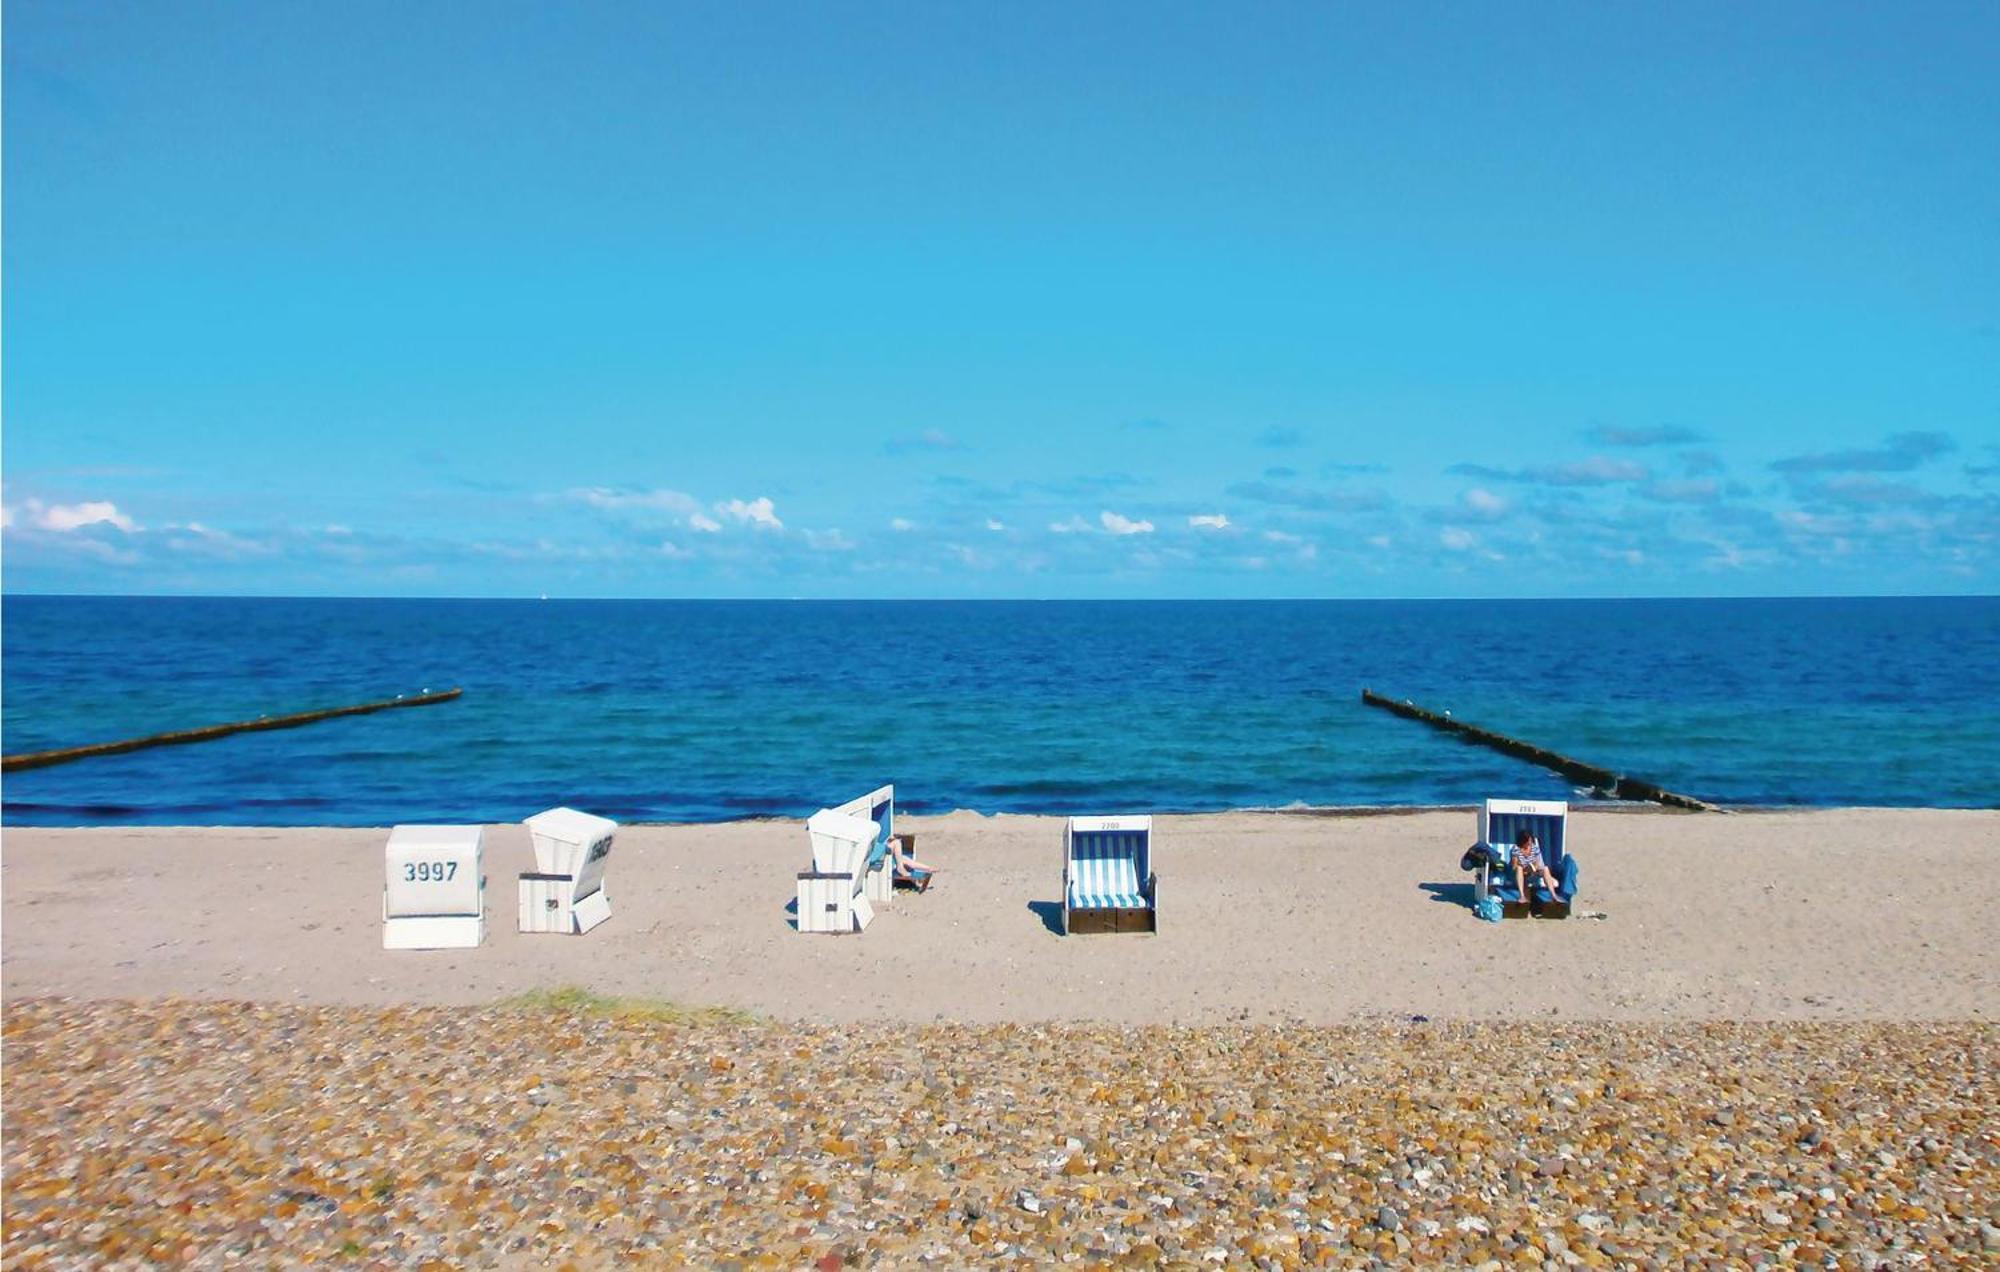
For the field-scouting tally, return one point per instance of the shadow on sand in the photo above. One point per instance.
(1459, 894)
(1050, 913)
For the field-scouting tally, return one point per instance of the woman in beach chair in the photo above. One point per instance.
(1528, 864)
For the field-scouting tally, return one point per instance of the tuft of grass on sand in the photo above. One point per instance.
(575, 1000)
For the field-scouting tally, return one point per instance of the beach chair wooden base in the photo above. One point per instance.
(1551, 909)
(1517, 909)
(1083, 922)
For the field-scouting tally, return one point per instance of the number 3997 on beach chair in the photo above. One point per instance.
(1108, 879)
(434, 890)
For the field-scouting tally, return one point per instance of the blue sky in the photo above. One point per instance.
(1002, 300)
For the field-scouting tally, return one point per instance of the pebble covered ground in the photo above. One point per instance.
(219, 1134)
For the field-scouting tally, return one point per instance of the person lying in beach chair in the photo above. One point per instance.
(1522, 858)
(906, 867)
(1108, 879)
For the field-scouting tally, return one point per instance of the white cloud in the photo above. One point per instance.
(1379, 540)
(1125, 525)
(1212, 521)
(994, 523)
(675, 552)
(703, 522)
(1456, 539)
(757, 512)
(901, 526)
(1075, 525)
(1280, 536)
(196, 537)
(828, 541)
(612, 500)
(1484, 502)
(64, 518)
(6, 516)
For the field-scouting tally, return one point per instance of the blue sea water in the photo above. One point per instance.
(692, 710)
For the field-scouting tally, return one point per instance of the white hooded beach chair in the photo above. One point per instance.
(434, 888)
(565, 891)
(1108, 879)
(833, 895)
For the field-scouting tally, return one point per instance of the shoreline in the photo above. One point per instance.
(1276, 917)
(912, 812)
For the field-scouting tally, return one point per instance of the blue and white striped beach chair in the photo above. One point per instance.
(1500, 822)
(1108, 879)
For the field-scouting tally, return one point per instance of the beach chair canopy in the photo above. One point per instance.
(878, 806)
(840, 843)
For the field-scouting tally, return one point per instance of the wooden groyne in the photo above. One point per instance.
(42, 759)
(1616, 785)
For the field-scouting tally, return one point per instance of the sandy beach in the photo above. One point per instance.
(1836, 914)
(1775, 1048)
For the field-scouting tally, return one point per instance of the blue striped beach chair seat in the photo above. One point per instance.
(1104, 870)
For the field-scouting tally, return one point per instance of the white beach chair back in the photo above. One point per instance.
(566, 892)
(434, 888)
(840, 842)
(832, 896)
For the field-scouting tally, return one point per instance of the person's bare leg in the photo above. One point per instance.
(907, 864)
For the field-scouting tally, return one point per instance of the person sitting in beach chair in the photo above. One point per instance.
(1529, 866)
(908, 869)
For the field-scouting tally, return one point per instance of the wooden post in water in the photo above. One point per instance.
(42, 759)
(1619, 786)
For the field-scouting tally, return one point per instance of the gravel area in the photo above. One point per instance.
(224, 1134)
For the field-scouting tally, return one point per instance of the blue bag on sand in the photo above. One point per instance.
(1488, 909)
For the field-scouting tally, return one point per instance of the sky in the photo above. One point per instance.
(1024, 300)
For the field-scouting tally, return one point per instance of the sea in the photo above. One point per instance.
(717, 710)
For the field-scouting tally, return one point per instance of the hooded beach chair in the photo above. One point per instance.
(565, 891)
(833, 895)
(1108, 880)
(1491, 859)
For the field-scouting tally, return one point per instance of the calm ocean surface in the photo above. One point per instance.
(692, 710)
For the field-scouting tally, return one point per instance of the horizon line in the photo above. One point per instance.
(990, 600)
